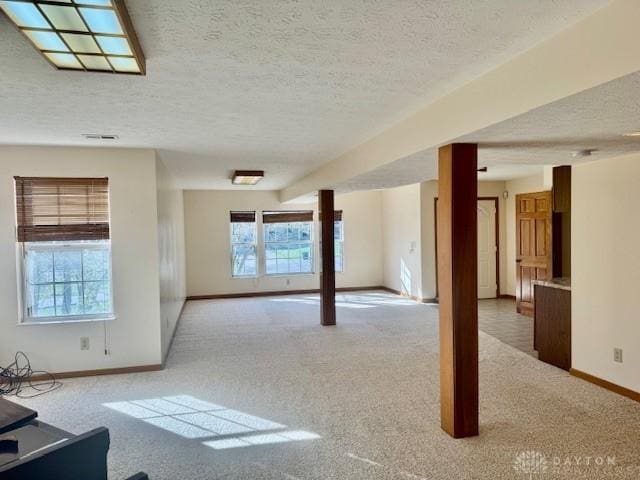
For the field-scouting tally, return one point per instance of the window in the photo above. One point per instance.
(64, 235)
(338, 235)
(244, 259)
(288, 242)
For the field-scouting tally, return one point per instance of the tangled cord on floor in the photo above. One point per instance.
(16, 379)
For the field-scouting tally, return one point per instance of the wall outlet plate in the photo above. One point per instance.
(84, 343)
(617, 355)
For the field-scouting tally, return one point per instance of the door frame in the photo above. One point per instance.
(496, 201)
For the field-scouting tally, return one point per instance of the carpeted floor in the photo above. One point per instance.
(367, 387)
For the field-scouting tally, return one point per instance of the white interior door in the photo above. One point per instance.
(487, 248)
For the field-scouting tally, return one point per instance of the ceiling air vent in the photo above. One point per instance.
(97, 136)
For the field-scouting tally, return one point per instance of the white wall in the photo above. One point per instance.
(134, 337)
(171, 253)
(428, 194)
(606, 269)
(402, 239)
(207, 235)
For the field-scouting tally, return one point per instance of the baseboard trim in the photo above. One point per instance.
(633, 395)
(173, 334)
(275, 293)
(509, 297)
(95, 373)
(412, 297)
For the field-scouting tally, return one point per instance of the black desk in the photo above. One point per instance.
(46, 452)
(13, 415)
(31, 439)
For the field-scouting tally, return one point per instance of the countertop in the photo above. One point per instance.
(562, 283)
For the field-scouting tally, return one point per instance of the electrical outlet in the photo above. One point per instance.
(617, 355)
(288, 281)
(84, 343)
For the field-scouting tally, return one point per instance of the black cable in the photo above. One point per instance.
(17, 377)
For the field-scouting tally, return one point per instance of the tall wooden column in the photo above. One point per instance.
(458, 288)
(328, 274)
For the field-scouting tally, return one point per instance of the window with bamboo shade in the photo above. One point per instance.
(63, 229)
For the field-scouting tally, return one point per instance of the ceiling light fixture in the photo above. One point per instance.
(247, 177)
(632, 134)
(80, 35)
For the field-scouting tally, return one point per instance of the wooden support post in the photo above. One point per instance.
(328, 274)
(458, 288)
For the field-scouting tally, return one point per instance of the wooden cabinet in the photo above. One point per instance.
(552, 334)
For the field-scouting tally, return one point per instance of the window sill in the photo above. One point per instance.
(66, 320)
(276, 275)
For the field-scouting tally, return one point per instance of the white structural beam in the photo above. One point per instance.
(600, 48)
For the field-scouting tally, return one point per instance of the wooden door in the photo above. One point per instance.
(534, 240)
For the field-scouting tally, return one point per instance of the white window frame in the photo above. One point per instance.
(341, 241)
(26, 309)
(255, 246)
(311, 243)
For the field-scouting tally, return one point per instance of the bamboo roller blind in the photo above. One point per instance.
(62, 209)
(242, 217)
(285, 217)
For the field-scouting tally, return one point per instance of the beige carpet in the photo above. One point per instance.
(368, 388)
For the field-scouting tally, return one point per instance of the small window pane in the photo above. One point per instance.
(244, 260)
(64, 18)
(305, 231)
(64, 60)
(42, 301)
(68, 266)
(40, 267)
(124, 64)
(101, 21)
(272, 266)
(104, 3)
(97, 297)
(81, 43)
(69, 299)
(270, 232)
(95, 62)
(282, 265)
(270, 252)
(46, 40)
(24, 14)
(95, 264)
(114, 45)
(293, 231)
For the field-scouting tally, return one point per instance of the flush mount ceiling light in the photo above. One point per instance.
(80, 35)
(632, 134)
(247, 177)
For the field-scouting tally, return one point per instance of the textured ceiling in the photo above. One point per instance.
(595, 119)
(276, 85)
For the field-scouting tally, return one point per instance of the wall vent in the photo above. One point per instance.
(98, 136)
